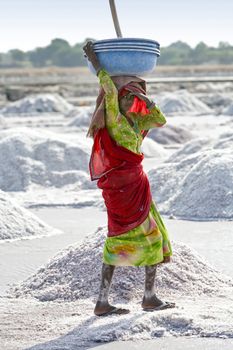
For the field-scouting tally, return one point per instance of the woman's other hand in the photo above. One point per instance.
(88, 48)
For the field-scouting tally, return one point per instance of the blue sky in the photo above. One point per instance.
(27, 24)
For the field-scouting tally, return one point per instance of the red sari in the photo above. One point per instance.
(125, 186)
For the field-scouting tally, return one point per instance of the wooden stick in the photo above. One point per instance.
(115, 18)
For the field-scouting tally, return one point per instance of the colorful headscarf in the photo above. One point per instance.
(132, 84)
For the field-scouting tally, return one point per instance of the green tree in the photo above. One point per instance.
(17, 55)
(200, 53)
(177, 53)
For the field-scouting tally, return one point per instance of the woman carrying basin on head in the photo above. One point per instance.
(137, 235)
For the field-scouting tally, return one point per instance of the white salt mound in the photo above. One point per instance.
(191, 148)
(225, 141)
(228, 110)
(37, 104)
(28, 156)
(152, 149)
(80, 116)
(2, 120)
(217, 101)
(182, 102)
(74, 273)
(196, 181)
(170, 134)
(17, 222)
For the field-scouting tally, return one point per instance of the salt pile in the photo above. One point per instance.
(152, 149)
(41, 158)
(228, 110)
(196, 181)
(183, 103)
(81, 116)
(217, 101)
(225, 141)
(2, 120)
(17, 222)
(36, 104)
(74, 273)
(170, 134)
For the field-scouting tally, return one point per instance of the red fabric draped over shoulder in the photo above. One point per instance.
(125, 186)
(138, 106)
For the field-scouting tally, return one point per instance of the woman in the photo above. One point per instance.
(136, 232)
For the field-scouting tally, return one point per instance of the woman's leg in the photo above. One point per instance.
(102, 306)
(150, 300)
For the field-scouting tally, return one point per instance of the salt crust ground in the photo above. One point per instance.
(37, 104)
(73, 326)
(195, 182)
(68, 286)
(17, 222)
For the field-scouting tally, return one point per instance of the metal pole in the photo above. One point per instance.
(115, 18)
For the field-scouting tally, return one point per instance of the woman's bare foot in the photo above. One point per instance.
(153, 303)
(104, 309)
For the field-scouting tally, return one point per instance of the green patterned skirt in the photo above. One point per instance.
(146, 244)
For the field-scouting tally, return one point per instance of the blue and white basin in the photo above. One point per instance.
(126, 56)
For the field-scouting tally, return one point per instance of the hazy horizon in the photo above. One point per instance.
(28, 24)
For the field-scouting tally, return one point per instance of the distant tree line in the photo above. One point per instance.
(60, 53)
(180, 53)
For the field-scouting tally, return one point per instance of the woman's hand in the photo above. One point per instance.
(88, 48)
